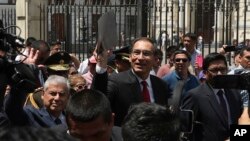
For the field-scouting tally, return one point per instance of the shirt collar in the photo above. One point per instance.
(139, 79)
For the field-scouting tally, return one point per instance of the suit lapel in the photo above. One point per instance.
(46, 117)
(233, 106)
(216, 106)
(154, 89)
(134, 86)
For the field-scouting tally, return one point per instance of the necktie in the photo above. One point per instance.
(145, 92)
(58, 121)
(222, 102)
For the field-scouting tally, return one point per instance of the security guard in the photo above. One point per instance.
(58, 64)
(111, 68)
(122, 59)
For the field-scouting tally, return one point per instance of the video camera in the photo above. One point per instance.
(230, 48)
(241, 80)
(15, 74)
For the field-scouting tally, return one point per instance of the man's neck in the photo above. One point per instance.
(190, 50)
(183, 74)
(141, 76)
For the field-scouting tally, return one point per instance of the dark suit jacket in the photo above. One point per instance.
(211, 125)
(28, 115)
(116, 134)
(123, 90)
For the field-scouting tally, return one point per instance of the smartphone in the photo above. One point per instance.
(186, 120)
(199, 60)
(231, 81)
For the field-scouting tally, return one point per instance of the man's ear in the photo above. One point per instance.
(42, 95)
(71, 123)
(130, 56)
(112, 119)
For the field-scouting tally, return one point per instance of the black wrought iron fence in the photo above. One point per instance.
(8, 17)
(75, 24)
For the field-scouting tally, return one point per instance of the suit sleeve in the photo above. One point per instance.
(113, 89)
(100, 82)
(106, 84)
(188, 102)
(13, 106)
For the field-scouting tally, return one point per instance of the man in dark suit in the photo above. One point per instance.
(55, 96)
(125, 89)
(214, 109)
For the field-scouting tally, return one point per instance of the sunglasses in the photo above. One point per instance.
(181, 59)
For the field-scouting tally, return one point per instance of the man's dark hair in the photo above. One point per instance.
(87, 105)
(158, 53)
(40, 45)
(34, 134)
(170, 50)
(29, 41)
(244, 49)
(55, 43)
(142, 39)
(183, 52)
(150, 122)
(192, 36)
(213, 57)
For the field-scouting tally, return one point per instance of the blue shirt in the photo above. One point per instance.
(172, 79)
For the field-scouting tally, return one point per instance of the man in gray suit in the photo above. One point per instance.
(125, 89)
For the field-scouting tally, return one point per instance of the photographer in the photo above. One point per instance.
(4, 121)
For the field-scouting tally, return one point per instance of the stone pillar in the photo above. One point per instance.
(22, 17)
(29, 18)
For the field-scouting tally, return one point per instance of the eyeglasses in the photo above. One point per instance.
(216, 70)
(184, 60)
(145, 53)
(73, 73)
(80, 86)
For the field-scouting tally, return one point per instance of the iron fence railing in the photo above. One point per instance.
(75, 24)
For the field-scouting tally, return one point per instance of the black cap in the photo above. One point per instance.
(122, 53)
(59, 61)
(111, 60)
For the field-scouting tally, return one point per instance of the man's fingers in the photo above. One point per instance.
(36, 55)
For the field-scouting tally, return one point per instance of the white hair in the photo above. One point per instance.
(56, 79)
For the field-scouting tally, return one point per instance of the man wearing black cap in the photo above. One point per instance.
(111, 67)
(122, 59)
(57, 47)
(58, 64)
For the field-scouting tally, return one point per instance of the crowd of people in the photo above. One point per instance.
(124, 94)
